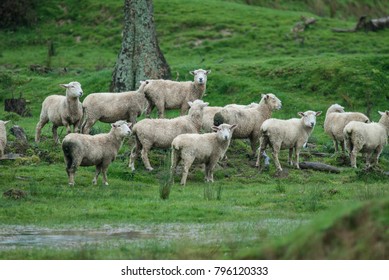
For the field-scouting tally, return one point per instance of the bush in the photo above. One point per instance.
(15, 13)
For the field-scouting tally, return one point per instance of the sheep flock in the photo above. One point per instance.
(201, 135)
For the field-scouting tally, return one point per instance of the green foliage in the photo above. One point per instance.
(250, 51)
(14, 13)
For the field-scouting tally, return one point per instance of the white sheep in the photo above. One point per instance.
(3, 137)
(368, 138)
(206, 148)
(62, 111)
(159, 133)
(99, 150)
(289, 134)
(249, 120)
(335, 121)
(210, 111)
(167, 94)
(110, 107)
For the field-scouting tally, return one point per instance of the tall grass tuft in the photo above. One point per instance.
(212, 192)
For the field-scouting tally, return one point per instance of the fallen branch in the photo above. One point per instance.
(363, 24)
(319, 167)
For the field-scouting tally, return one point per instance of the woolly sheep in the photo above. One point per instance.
(62, 111)
(205, 148)
(159, 133)
(111, 107)
(249, 120)
(335, 121)
(210, 111)
(368, 138)
(99, 150)
(286, 134)
(3, 137)
(167, 94)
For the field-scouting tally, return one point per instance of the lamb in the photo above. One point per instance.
(206, 148)
(3, 137)
(249, 120)
(286, 134)
(167, 94)
(111, 107)
(159, 133)
(62, 111)
(335, 121)
(99, 150)
(368, 138)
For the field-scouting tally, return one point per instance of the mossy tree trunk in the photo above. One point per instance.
(140, 57)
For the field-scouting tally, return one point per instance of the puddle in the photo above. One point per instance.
(62, 238)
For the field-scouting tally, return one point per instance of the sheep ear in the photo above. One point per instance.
(129, 125)
(207, 72)
(387, 113)
(381, 113)
(190, 103)
(233, 127)
(214, 128)
(64, 85)
(113, 125)
(301, 114)
(206, 104)
(5, 122)
(318, 113)
(192, 72)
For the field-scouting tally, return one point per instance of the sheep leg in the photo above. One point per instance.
(376, 154)
(72, 171)
(87, 125)
(353, 157)
(149, 109)
(290, 156)
(42, 122)
(276, 150)
(161, 110)
(175, 160)
(98, 170)
(297, 156)
(55, 133)
(187, 164)
(104, 169)
(209, 171)
(145, 157)
(184, 109)
(254, 143)
(343, 146)
(335, 145)
(134, 153)
(261, 151)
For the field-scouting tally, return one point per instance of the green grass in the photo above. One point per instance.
(251, 51)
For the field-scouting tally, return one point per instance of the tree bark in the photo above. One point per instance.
(140, 57)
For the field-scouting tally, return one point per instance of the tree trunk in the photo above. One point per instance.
(140, 57)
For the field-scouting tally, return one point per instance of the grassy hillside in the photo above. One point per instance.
(251, 51)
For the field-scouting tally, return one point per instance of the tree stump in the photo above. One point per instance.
(364, 24)
(18, 106)
(21, 144)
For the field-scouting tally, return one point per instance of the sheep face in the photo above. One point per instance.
(309, 118)
(272, 101)
(121, 128)
(73, 89)
(224, 131)
(200, 76)
(197, 108)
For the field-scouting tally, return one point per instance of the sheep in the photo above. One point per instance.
(206, 148)
(61, 111)
(368, 138)
(286, 134)
(249, 120)
(167, 94)
(3, 137)
(210, 111)
(160, 133)
(99, 150)
(111, 107)
(335, 121)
